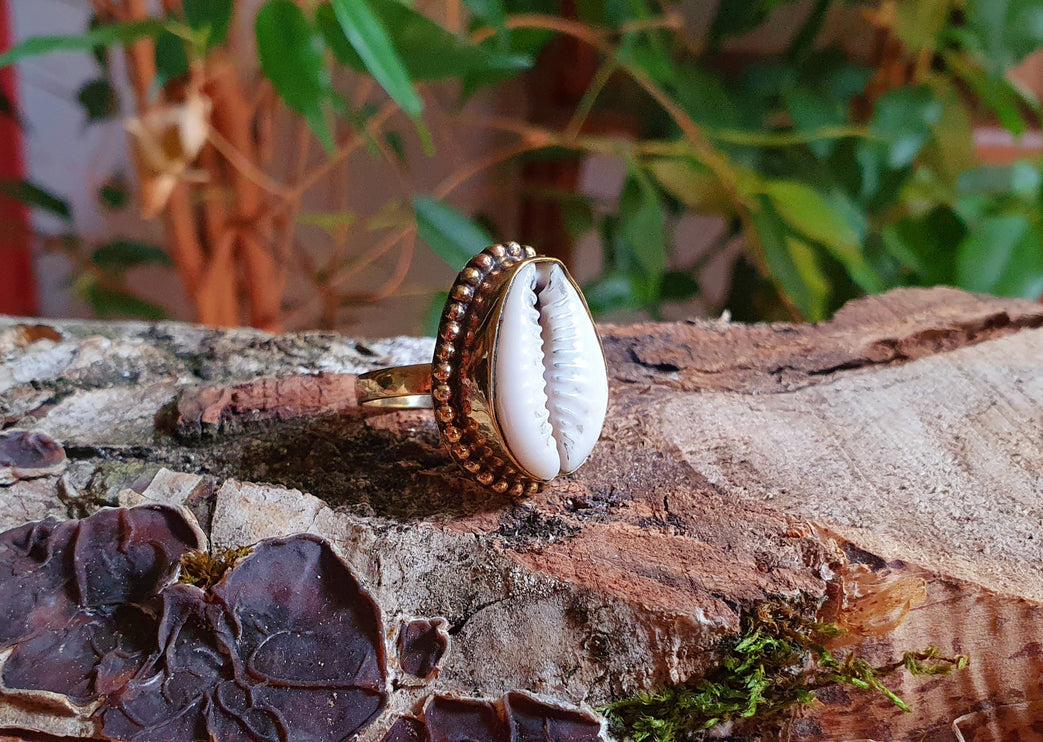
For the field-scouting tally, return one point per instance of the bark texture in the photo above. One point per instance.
(739, 463)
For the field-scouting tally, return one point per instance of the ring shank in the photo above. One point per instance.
(398, 387)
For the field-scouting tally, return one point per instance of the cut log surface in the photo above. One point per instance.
(739, 464)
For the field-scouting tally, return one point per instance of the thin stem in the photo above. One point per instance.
(405, 260)
(285, 249)
(808, 32)
(467, 172)
(454, 17)
(243, 164)
(590, 96)
(341, 277)
(671, 19)
(346, 149)
(576, 29)
(381, 249)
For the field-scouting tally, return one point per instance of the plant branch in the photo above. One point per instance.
(245, 166)
(465, 173)
(346, 149)
(590, 96)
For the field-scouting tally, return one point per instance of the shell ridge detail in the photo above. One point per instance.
(567, 373)
(551, 390)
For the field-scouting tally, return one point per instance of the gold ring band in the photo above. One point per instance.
(398, 387)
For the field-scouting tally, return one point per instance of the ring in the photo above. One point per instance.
(518, 382)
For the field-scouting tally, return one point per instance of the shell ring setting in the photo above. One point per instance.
(518, 381)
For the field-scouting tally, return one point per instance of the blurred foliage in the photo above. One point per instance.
(843, 177)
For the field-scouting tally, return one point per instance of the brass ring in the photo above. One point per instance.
(518, 381)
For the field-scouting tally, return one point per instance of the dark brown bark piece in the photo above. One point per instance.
(33, 572)
(301, 618)
(406, 729)
(25, 454)
(516, 717)
(73, 594)
(531, 720)
(287, 646)
(464, 720)
(421, 644)
(28, 450)
(125, 556)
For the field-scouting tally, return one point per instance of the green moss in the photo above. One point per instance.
(204, 570)
(778, 661)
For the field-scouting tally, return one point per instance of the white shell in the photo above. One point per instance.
(550, 390)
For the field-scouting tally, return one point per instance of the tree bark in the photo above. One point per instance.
(739, 464)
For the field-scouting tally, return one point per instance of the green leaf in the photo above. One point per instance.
(927, 246)
(115, 33)
(291, 54)
(615, 292)
(996, 91)
(707, 99)
(98, 99)
(793, 264)
(641, 229)
(110, 302)
(431, 53)
(1021, 178)
(577, 215)
(215, 16)
(100, 53)
(427, 51)
(1006, 31)
(33, 195)
(810, 112)
(522, 41)
(433, 316)
(808, 212)
(1001, 255)
(329, 27)
(678, 286)
(738, 17)
(120, 255)
(171, 59)
(691, 183)
(330, 221)
(453, 237)
(491, 12)
(903, 119)
(918, 23)
(393, 140)
(643, 53)
(951, 149)
(370, 39)
(114, 193)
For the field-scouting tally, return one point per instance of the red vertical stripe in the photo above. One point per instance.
(17, 288)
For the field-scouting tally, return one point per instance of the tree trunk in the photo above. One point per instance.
(898, 444)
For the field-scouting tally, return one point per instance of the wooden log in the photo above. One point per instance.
(897, 444)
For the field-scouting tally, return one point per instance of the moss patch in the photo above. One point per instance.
(777, 662)
(204, 570)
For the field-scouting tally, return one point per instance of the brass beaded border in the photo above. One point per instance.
(474, 286)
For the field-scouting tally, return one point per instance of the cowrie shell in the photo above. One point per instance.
(550, 390)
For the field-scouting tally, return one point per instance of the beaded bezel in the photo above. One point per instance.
(461, 379)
